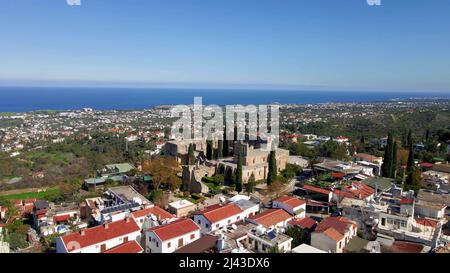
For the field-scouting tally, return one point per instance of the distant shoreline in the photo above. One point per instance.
(29, 99)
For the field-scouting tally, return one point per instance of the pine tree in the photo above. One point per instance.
(209, 149)
(238, 185)
(220, 149)
(427, 135)
(191, 154)
(272, 175)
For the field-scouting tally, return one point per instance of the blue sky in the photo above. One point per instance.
(403, 45)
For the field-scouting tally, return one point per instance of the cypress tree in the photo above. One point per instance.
(394, 160)
(209, 149)
(410, 164)
(272, 175)
(220, 149)
(225, 152)
(386, 168)
(238, 185)
(191, 154)
(409, 141)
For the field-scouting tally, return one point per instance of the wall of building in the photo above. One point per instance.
(155, 245)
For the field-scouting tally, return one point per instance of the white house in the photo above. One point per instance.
(100, 238)
(271, 218)
(141, 215)
(218, 216)
(168, 238)
(333, 234)
(292, 205)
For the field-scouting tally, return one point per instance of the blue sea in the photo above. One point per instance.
(24, 99)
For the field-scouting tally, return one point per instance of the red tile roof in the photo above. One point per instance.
(291, 201)
(338, 175)
(406, 201)
(316, 189)
(303, 223)
(357, 190)
(426, 222)
(100, 234)
(220, 212)
(128, 247)
(155, 210)
(333, 234)
(367, 157)
(175, 229)
(271, 217)
(61, 218)
(341, 224)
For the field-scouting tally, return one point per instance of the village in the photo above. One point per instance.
(236, 197)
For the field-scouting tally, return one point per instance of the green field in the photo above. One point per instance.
(48, 194)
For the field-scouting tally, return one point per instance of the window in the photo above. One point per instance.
(157, 244)
(340, 244)
(198, 221)
(180, 242)
(239, 217)
(229, 221)
(103, 247)
(206, 225)
(217, 225)
(192, 236)
(168, 244)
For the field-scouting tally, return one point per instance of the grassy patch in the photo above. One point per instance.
(46, 195)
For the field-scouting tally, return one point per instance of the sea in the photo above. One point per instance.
(25, 99)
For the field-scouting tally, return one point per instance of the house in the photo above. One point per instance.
(316, 193)
(250, 238)
(303, 223)
(127, 247)
(356, 190)
(117, 169)
(218, 216)
(367, 157)
(170, 237)
(182, 207)
(271, 218)
(100, 238)
(140, 216)
(206, 244)
(292, 205)
(305, 248)
(333, 234)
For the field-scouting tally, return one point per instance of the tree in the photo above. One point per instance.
(410, 164)
(273, 171)
(220, 149)
(413, 181)
(394, 160)
(191, 154)
(209, 149)
(386, 167)
(251, 184)
(409, 140)
(164, 172)
(276, 187)
(226, 151)
(238, 185)
(299, 236)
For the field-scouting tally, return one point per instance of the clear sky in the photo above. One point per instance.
(402, 45)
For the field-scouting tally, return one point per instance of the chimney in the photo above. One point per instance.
(127, 219)
(106, 225)
(82, 232)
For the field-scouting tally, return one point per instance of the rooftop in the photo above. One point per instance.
(174, 229)
(271, 217)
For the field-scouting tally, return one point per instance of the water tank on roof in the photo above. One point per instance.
(260, 230)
